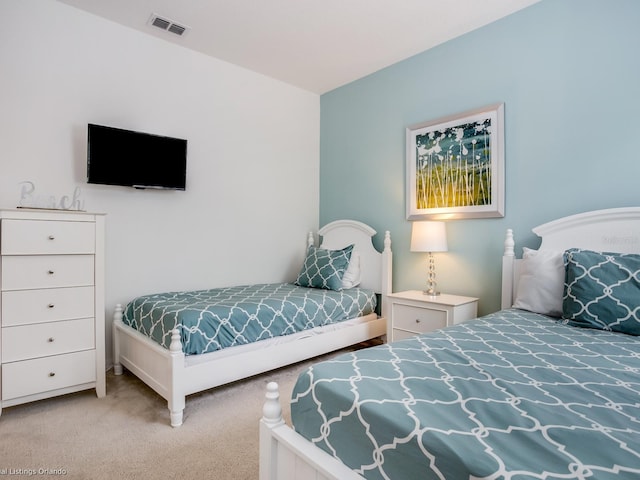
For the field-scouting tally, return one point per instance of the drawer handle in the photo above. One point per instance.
(51, 272)
(52, 237)
(50, 339)
(51, 305)
(52, 374)
(418, 320)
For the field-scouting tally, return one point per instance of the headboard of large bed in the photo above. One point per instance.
(609, 230)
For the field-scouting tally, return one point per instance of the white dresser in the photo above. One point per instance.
(51, 304)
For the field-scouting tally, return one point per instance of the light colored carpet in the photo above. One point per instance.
(126, 435)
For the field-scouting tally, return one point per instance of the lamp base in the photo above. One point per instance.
(431, 283)
(431, 293)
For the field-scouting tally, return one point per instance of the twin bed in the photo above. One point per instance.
(180, 343)
(547, 387)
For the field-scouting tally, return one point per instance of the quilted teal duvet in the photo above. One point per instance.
(210, 320)
(510, 396)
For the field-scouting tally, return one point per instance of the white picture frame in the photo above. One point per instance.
(455, 166)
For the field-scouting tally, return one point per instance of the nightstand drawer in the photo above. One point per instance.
(45, 339)
(25, 237)
(20, 379)
(413, 312)
(46, 271)
(418, 320)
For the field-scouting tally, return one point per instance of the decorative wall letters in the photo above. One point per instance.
(30, 199)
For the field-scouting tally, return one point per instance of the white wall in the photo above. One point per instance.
(253, 149)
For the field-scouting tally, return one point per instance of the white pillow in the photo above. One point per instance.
(541, 283)
(351, 277)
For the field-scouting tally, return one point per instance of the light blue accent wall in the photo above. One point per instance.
(568, 72)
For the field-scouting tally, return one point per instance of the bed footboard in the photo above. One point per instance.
(159, 368)
(286, 455)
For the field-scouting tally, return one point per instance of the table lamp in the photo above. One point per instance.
(429, 237)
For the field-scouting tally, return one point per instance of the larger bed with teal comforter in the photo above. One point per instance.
(513, 395)
(546, 388)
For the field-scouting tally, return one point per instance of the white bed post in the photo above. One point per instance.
(176, 401)
(387, 268)
(508, 270)
(117, 319)
(271, 418)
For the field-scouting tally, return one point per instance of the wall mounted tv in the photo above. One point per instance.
(135, 159)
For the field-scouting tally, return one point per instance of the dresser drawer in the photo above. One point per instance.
(41, 237)
(418, 320)
(21, 307)
(45, 339)
(29, 377)
(46, 271)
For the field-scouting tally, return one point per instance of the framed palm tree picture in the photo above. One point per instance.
(455, 166)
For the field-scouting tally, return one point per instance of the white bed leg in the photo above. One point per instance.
(117, 319)
(176, 416)
(177, 398)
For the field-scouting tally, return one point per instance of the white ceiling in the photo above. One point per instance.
(317, 45)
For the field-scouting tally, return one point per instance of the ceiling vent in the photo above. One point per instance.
(167, 25)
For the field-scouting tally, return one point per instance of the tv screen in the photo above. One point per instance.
(135, 159)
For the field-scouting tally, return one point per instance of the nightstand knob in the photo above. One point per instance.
(52, 374)
(51, 237)
(51, 305)
(418, 320)
(50, 339)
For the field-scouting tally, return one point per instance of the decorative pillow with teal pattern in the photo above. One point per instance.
(602, 290)
(324, 268)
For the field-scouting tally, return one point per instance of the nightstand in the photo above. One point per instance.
(413, 312)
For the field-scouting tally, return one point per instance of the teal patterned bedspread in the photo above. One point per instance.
(210, 320)
(513, 395)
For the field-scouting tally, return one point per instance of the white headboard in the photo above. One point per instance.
(610, 230)
(375, 266)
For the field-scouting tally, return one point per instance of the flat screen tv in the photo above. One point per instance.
(135, 159)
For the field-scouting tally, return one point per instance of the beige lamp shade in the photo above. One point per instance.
(429, 236)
